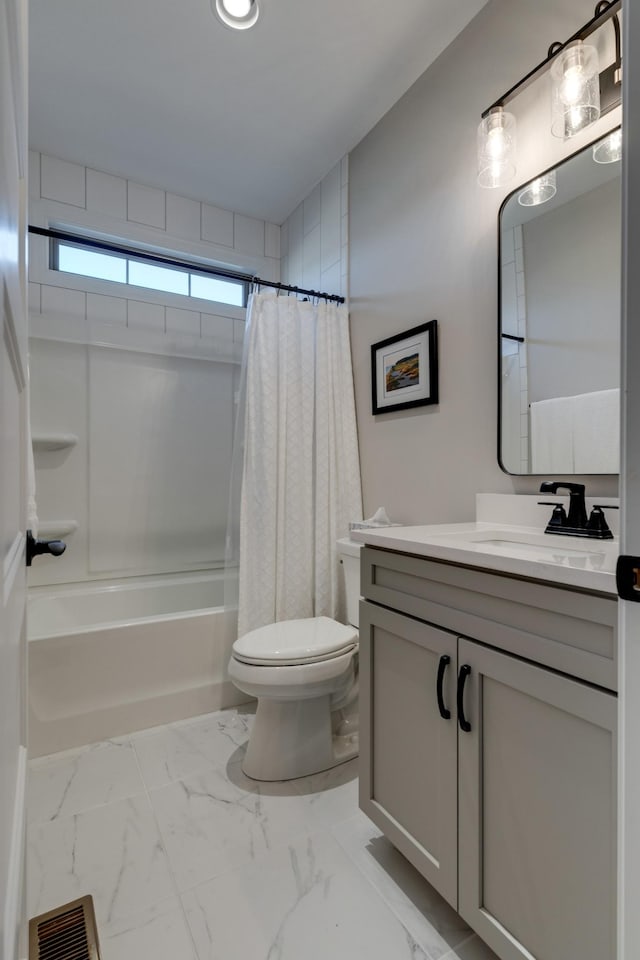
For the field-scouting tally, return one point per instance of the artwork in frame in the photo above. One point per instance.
(404, 369)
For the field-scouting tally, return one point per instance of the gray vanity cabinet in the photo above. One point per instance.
(537, 801)
(508, 806)
(410, 771)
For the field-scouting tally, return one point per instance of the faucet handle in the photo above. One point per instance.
(558, 517)
(597, 524)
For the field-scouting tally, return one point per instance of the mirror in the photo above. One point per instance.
(559, 319)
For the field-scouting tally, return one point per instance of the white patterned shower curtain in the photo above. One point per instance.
(300, 470)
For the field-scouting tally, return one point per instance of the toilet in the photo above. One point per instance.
(304, 676)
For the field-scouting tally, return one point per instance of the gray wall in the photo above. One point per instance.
(423, 244)
(572, 276)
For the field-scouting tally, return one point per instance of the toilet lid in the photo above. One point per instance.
(295, 641)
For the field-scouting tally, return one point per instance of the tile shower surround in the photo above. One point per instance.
(187, 858)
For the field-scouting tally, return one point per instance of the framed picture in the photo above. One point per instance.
(404, 369)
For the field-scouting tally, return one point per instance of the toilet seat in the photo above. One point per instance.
(292, 642)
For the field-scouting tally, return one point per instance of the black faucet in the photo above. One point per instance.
(575, 523)
(577, 516)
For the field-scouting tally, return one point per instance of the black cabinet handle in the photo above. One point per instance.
(442, 666)
(465, 670)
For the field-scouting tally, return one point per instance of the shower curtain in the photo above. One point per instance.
(300, 468)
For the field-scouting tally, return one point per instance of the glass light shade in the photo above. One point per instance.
(575, 91)
(539, 190)
(609, 150)
(496, 148)
(238, 14)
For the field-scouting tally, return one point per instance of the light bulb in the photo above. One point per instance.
(572, 85)
(575, 97)
(238, 14)
(496, 148)
(496, 143)
(237, 8)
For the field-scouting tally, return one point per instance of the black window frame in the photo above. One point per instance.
(116, 251)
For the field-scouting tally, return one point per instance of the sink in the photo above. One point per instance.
(527, 544)
(525, 538)
(538, 549)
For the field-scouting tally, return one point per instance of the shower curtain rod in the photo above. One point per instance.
(67, 237)
(308, 293)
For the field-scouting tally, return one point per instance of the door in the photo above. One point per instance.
(408, 748)
(537, 808)
(629, 612)
(13, 412)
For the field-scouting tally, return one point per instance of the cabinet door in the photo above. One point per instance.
(408, 750)
(537, 805)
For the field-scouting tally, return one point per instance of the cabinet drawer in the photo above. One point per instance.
(564, 629)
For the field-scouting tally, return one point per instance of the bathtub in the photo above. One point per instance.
(109, 658)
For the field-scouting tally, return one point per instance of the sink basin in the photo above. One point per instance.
(547, 543)
(527, 545)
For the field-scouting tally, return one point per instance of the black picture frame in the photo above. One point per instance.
(404, 369)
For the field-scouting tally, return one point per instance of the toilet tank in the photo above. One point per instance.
(349, 557)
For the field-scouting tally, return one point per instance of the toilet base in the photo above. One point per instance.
(294, 738)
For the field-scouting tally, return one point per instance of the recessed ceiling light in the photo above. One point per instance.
(238, 14)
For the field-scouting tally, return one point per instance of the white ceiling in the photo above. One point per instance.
(161, 92)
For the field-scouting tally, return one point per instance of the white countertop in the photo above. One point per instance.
(523, 551)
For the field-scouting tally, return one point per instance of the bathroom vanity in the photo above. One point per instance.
(488, 727)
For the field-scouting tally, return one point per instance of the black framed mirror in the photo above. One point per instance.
(559, 317)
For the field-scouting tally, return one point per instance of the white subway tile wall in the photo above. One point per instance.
(106, 194)
(170, 346)
(34, 298)
(63, 302)
(311, 259)
(145, 316)
(216, 326)
(146, 205)
(117, 198)
(314, 240)
(183, 217)
(63, 181)
(312, 209)
(272, 241)
(104, 309)
(249, 235)
(182, 321)
(330, 193)
(217, 225)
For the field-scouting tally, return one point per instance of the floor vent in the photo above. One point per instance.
(66, 933)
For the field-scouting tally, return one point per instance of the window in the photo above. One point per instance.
(153, 272)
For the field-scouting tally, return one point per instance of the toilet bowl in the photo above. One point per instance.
(304, 676)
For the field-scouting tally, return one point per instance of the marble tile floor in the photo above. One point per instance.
(188, 859)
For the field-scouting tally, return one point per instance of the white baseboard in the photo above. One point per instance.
(13, 908)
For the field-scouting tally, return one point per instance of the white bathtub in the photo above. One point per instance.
(106, 659)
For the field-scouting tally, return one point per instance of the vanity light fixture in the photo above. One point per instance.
(575, 91)
(539, 190)
(581, 93)
(609, 150)
(496, 148)
(237, 14)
